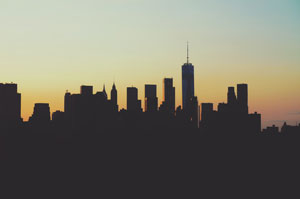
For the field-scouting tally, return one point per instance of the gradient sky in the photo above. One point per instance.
(50, 46)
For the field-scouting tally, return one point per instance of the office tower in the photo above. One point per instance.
(10, 105)
(187, 82)
(150, 90)
(41, 114)
(169, 95)
(114, 97)
(206, 110)
(254, 123)
(242, 97)
(231, 98)
(67, 107)
(133, 104)
(86, 90)
(150, 98)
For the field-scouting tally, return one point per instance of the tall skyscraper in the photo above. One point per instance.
(150, 98)
(231, 98)
(114, 97)
(242, 97)
(187, 81)
(169, 95)
(10, 105)
(133, 104)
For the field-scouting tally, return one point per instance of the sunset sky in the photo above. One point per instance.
(50, 46)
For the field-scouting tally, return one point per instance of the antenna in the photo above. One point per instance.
(187, 52)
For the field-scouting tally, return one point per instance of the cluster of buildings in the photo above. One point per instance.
(231, 116)
(285, 130)
(98, 110)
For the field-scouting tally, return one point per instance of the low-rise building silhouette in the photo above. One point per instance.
(271, 130)
(290, 130)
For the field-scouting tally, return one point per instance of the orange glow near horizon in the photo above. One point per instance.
(263, 99)
(48, 47)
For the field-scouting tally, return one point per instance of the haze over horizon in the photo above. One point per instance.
(48, 47)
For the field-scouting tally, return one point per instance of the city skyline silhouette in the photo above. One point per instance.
(159, 102)
(94, 110)
(149, 98)
(50, 47)
(187, 89)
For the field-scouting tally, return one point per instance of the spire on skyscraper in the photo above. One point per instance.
(104, 92)
(114, 97)
(187, 53)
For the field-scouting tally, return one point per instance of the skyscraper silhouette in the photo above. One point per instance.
(114, 97)
(242, 97)
(133, 104)
(150, 98)
(10, 105)
(168, 95)
(67, 104)
(187, 81)
(231, 98)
